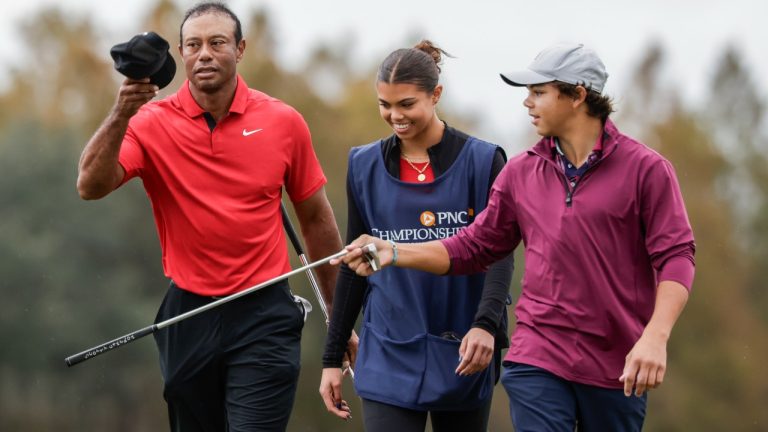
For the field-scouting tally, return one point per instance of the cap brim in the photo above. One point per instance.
(165, 74)
(525, 78)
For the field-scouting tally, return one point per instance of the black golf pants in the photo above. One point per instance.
(382, 417)
(234, 367)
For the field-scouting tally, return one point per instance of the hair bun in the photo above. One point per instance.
(432, 50)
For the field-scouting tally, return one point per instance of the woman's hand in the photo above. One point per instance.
(330, 391)
(476, 351)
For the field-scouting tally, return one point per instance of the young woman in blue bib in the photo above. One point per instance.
(429, 345)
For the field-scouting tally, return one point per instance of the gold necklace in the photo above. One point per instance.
(419, 159)
(421, 177)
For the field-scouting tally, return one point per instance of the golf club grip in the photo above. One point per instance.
(108, 346)
(291, 231)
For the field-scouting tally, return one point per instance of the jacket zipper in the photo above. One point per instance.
(568, 191)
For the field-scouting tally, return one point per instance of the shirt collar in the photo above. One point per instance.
(192, 109)
(554, 144)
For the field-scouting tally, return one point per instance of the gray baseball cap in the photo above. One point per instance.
(569, 63)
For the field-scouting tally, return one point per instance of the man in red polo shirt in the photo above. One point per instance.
(214, 158)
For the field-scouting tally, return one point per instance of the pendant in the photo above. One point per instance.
(421, 177)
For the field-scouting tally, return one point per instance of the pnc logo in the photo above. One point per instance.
(427, 218)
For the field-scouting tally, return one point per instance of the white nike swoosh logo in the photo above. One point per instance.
(247, 132)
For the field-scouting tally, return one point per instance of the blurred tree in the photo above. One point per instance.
(649, 99)
(68, 83)
(165, 19)
(736, 117)
(719, 340)
(77, 273)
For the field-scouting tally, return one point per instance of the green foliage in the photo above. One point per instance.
(78, 273)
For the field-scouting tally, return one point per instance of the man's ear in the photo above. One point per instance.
(240, 50)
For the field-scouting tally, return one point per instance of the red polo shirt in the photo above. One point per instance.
(216, 194)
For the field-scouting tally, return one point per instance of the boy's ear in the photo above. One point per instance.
(581, 96)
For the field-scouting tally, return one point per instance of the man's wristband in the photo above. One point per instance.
(394, 252)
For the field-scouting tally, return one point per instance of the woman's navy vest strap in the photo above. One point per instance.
(413, 321)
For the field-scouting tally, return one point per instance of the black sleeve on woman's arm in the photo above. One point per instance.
(348, 297)
(499, 160)
(347, 303)
(493, 301)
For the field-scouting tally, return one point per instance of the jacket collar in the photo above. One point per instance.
(611, 137)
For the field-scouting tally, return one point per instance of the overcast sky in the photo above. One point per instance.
(486, 36)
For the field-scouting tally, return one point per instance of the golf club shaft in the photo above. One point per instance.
(130, 337)
(294, 237)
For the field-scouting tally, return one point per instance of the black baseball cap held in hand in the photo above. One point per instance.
(145, 55)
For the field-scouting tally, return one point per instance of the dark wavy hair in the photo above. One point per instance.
(216, 8)
(597, 105)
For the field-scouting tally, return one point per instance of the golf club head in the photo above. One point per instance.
(372, 255)
(304, 305)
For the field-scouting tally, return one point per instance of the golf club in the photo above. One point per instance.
(293, 236)
(370, 251)
(303, 259)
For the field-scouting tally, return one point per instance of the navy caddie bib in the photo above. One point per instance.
(413, 321)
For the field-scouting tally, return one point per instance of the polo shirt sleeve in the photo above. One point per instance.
(305, 175)
(131, 156)
(492, 236)
(669, 237)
